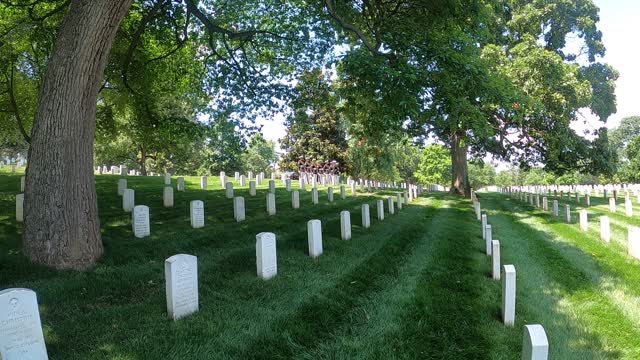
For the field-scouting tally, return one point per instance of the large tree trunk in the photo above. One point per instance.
(143, 160)
(61, 225)
(459, 170)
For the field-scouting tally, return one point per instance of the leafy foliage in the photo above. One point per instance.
(435, 165)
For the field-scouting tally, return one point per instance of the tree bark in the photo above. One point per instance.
(61, 225)
(143, 160)
(459, 170)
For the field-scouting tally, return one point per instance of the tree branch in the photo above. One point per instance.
(14, 108)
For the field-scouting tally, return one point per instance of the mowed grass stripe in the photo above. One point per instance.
(318, 318)
(559, 286)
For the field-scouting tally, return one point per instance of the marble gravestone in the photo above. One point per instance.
(21, 336)
(366, 219)
(229, 190)
(272, 186)
(568, 213)
(243, 181)
(181, 277)
(122, 186)
(167, 196)
(271, 204)
(238, 208)
(399, 201)
(314, 237)
(555, 208)
(605, 229)
(180, 184)
(295, 199)
(252, 187)
(495, 259)
(628, 207)
(287, 184)
(20, 207)
(236, 176)
(301, 184)
(203, 182)
(633, 238)
(391, 207)
(508, 295)
(314, 195)
(343, 192)
(488, 239)
(380, 208)
(167, 179)
(484, 226)
(584, 220)
(266, 260)
(196, 213)
(128, 200)
(612, 204)
(140, 221)
(345, 225)
(535, 345)
(330, 194)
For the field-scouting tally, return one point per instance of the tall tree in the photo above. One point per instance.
(260, 155)
(247, 50)
(315, 129)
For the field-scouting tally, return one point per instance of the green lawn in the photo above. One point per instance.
(416, 285)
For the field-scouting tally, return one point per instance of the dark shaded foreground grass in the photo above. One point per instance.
(415, 285)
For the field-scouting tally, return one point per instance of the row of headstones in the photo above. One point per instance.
(633, 232)
(535, 345)
(20, 318)
(529, 197)
(141, 225)
(578, 193)
(579, 188)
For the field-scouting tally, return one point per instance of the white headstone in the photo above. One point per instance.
(567, 209)
(128, 200)
(295, 199)
(272, 186)
(508, 294)
(399, 201)
(345, 225)
(229, 190)
(406, 198)
(628, 207)
(488, 238)
(343, 192)
(250, 175)
(633, 238)
(535, 345)
(223, 180)
(584, 220)
(122, 186)
(196, 213)
(180, 184)
(612, 204)
(203, 182)
(380, 209)
(495, 259)
(181, 276)
(243, 181)
(266, 260)
(605, 229)
(302, 184)
(140, 221)
(271, 204)
(167, 196)
(20, 207)
(22, 182)
(167, 179)
(484, 226)
(236, 176)
(21, 334)
(314, 195)
(238, 208)
(555, 208)
(314, 236)
(366, 218)
(330, 194)
(287, 184)
(252, 187)
(390, 200)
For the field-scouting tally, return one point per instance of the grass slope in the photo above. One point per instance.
(416, 285)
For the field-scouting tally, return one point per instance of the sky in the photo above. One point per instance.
(620, 26)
